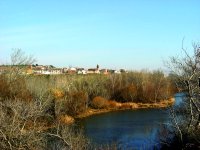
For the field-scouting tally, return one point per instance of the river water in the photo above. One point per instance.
(129, 129)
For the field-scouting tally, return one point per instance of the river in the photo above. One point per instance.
(137, 129)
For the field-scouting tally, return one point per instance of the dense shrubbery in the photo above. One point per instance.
(73, 94)
(14, 89)
(145, 87)
(32, 104)
(29, 108)
(4, 88)
(126, 94)
(75, 103)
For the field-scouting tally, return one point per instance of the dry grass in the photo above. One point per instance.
(65, 119)
(112, 104)
(57, 93)
(129, 105)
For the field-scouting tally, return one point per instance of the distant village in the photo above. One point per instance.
(51, 70)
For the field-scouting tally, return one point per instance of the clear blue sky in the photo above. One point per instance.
(112, 33)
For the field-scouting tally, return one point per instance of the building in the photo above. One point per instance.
(65, 70)
(104, 71)
(72, 70)
(117, 72)
(81, 71)
(55, 71)
(40, 69)
(93, 71)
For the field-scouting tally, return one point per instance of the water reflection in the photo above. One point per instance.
(136, 129)
(179, 99)
(129, 129)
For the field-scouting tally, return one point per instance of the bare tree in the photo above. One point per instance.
(20, 121)
(186, 73)
(18, 57)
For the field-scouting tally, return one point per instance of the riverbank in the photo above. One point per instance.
(116, 106)
(124, 106)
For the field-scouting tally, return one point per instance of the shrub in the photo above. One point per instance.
(127, 94)
(15, 89)
(75, 103)
(19, 90)
(57, 93)
(4, 88)
(99, 102)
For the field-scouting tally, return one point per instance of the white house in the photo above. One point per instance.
(117, 72)
(55, 71)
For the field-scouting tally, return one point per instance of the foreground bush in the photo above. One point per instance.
(15, 88)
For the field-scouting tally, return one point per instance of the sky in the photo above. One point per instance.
(129, 34)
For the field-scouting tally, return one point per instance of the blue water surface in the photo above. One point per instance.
(129, 129)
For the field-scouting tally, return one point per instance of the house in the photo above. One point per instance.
(46, 72)
(117, 72)
(39, 69)
(122, 70)
(111, 71)
(72, 70)
(65, 70)
(104, 71)
(48, 69)
(84, 72)
(81, 71)
(93, 71)
(55, 71)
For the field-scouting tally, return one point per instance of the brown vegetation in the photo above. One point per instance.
(35, 103)
(99, 102)
(28, 111)
(75, 103)
(65, 119)
(30, 105)
(116, 106)
(57, 94)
